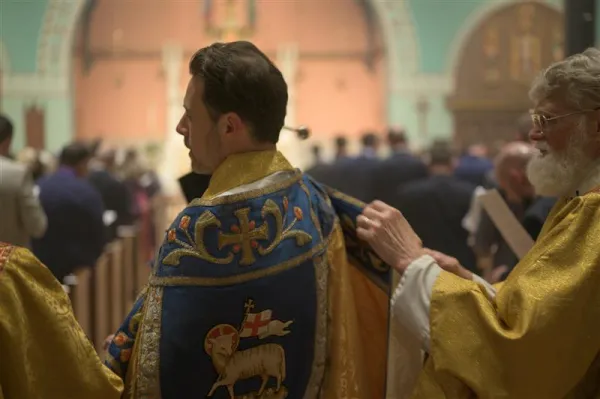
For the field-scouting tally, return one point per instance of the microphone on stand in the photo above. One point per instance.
(302, 132)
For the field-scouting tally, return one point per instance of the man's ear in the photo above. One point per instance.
(231, 123)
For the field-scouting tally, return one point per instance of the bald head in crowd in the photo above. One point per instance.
(524, 126)
(511, 170)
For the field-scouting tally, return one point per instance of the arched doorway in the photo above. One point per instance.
(333, 54)
(496, 66)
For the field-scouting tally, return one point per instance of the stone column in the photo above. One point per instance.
(175, 156)
(289, 144)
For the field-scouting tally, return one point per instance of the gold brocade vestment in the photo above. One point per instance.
(44, 353)
(540, 337)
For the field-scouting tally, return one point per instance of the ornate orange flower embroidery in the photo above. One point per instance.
(184, 223)
(298, 213)
(125, 355)
(121, 339)
(285, 204)
(252, 225)
(172, 235)
(236, 248)
(235, 228)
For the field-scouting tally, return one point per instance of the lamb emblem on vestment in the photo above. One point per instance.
(265, 361)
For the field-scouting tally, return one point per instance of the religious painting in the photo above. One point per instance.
(229, 20)
(497, 64)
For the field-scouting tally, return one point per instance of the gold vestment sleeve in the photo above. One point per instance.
(44, 353)
(539, 338)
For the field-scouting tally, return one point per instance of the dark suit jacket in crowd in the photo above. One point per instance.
(435, 208)
(115, 197)
(354, 176)
(76, 234)
(395, 172)
(321, 172)
(473, 169)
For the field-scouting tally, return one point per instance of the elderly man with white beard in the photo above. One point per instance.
(537, 335)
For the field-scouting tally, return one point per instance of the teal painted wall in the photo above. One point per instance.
(13, 108)
(20, 27)
(436, 24)
(59, 123)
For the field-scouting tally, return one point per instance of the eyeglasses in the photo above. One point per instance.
(542, 122)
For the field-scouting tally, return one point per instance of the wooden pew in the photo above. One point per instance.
(81, 299)
(116, 298)
(101, 301)
(127, 235)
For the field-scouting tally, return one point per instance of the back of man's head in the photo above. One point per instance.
(524, 126)
(397, 138)
(341, 143)
(441, 154)
(76, 156)
(511, 162)
(369, 140)
(6, 131)
(239, 78)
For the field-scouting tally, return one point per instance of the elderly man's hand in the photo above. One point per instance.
(449, 264)
(390, 235)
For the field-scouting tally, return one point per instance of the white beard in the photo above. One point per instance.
(558, 175)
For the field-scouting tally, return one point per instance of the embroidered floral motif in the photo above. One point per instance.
(185, 222)
(121, 339)
(298, 213)
(125, 355)
(243, 238)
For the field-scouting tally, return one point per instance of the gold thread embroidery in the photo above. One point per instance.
(265, 361)
(148, 376)
(156, 281)
(245, 168)
(247, 195)
(321, 264)
(313, 215)
(271, 208)
(198, 250)
(244, 237)
(344, 197)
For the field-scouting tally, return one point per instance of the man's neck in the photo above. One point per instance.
(400, 149)
(369, 152)
(440, 170)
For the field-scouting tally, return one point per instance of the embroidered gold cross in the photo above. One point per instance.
(246, 238)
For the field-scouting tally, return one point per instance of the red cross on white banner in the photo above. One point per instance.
(256, 324)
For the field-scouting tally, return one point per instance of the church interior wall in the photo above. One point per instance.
(419, 66)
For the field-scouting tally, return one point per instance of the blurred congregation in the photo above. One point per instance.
(88, 195)
(437, 190)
